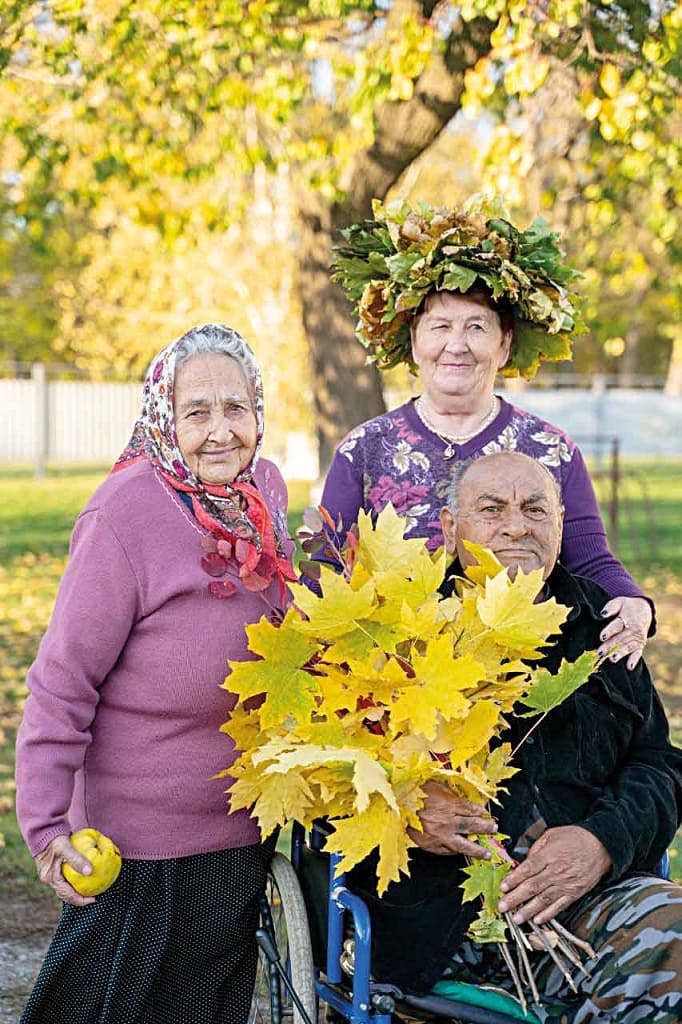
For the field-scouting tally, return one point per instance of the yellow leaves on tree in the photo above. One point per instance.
(375, 687)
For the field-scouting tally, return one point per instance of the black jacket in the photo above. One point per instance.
(602, 760)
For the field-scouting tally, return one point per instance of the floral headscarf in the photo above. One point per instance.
(235, 514)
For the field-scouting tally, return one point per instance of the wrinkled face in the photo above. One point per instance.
(509, 504)
(214, 418)
(459, 345)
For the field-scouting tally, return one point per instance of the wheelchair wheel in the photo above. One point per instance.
(284, 916)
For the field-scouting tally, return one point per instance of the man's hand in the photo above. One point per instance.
(447, 820)
(49, 867)
(563, 865)
(625, 635)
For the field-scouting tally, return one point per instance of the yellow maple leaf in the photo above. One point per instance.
(276, 799)
(288, 690)
(281, 799)
(331, 788)
(326, 733)
(378, 826)
(368, 775)
(244, 727)
(495, 764)
(509, 608)
(439, 680)
(408, 745)
(357, 643)
(488, 565)
(413, 579)
(335, 688)
(338, 612)
(426, 620)
(379, 675)
(449, 608)
(462, 739)
(384, 547)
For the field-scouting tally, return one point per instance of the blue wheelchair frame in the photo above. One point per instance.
(356, 998)
(359, 1000)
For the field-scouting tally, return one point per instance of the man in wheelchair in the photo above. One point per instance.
(590, 814)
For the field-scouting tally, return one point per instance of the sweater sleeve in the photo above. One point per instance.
(636, 817)
(97, 605)
(343, 492)
(584, 549)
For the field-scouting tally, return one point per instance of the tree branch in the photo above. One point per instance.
(404, 129)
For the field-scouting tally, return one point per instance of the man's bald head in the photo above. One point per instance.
(509, 503)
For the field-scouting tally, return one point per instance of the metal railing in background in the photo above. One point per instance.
(621, 492)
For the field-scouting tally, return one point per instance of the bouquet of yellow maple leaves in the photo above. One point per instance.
(378, 685)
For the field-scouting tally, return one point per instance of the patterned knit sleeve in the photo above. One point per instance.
(585, 549)
(96, 607)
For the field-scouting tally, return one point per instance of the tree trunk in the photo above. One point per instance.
(673, 382)
(347, 389)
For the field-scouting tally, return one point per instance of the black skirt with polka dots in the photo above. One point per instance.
(172, 942)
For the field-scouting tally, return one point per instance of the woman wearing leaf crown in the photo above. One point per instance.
(177, 551)
(459, 295)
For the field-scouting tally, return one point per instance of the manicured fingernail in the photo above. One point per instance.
(600, 653)
(602, 636)
(604, 613)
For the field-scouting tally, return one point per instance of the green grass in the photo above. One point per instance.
(36, 517)
(647, 535)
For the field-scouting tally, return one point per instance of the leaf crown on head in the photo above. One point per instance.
(391, 263)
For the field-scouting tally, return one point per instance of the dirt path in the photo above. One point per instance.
(25, 931)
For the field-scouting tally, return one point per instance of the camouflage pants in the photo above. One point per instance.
(635, 928)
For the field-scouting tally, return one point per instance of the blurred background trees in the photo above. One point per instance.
(166, 163)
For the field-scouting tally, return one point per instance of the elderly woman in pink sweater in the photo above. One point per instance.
(183, 545)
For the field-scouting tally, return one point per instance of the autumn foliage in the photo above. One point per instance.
(379, 685)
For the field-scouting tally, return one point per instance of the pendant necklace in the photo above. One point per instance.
(450, 440)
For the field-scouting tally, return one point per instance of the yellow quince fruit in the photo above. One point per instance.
(104, 856)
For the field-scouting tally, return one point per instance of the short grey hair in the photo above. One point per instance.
(462, 468)
(214, 339)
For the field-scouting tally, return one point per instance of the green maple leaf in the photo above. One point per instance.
(292, 648)
(550, 690)
(484, 880)
(289, 691)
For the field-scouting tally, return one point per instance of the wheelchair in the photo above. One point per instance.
(298, 983)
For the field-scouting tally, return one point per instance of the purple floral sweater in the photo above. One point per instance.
(396, 458)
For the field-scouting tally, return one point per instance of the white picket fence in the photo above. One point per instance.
(65, 420)
(73, 421)
(78, 421)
